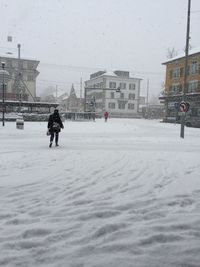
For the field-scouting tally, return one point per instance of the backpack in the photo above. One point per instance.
(56, 126)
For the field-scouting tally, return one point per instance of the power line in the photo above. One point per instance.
(195, 11)
(84, 69)
(56, 82)
(78, 68)
(89, 69)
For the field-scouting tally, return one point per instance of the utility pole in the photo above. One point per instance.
(186, 68)
(4, 77)
(20, 95)
(3, 97)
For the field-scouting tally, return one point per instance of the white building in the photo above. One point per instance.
(101, 94)
(23, 73)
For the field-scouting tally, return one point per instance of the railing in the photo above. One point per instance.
(14, 97)
(79, 116)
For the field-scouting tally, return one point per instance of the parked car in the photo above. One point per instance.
(192, 122)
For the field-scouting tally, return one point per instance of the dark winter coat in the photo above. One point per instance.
(55, 123)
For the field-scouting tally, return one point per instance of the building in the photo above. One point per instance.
(22, 83)
(71, 103)
(115, 92)
(174, 85)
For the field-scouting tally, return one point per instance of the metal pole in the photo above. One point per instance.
(94, 107)
(20, 102)
(19, 47)
(186, 68)
(3, 98)
(85, 99)
(147, 110)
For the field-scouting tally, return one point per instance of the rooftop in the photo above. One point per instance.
(11, 53)
(182, 55)
(116, 73)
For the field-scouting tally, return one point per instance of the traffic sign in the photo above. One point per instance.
(184, 106)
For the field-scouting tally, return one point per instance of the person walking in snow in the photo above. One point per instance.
(54, 126)
(106, 115)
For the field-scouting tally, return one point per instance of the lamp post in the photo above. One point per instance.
(4, 76)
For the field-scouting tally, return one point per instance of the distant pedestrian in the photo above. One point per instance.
(106, 115)
(54, 126)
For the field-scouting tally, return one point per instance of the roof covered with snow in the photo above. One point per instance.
(190, 52)
(13, 53)
(109, 73)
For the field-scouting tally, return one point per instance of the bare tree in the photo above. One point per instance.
(171, 52)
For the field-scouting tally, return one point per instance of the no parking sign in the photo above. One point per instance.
(184, 106)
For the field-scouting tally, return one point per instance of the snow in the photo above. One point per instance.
(190, 52)
(125, 193)
(109, 73)
(10, 52)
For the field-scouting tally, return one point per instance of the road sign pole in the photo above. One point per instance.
(182, 125)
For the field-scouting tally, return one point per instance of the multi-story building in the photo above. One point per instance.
(174, 84)
(102, 94)
(22, 78)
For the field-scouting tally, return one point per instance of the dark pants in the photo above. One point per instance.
(56, 134)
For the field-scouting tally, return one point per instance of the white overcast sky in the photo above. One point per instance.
(73, 38)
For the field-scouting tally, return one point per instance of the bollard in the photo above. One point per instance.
(20, 124)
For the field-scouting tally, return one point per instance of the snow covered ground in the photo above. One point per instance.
(125, 193)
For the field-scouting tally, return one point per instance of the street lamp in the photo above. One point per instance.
(4, 77)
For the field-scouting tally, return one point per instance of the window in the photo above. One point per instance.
(112, 95)
(21, 64)
(111, 105)
(122, 85)
(98, 105)
(131, 96)
(121, 105)
(194, 67)
(112, 85)
(101, 84)
(30, 65)
(176, 88)
(131, 86)
(30, 78)
(98, 95)
(176, 73)
(122, 95)
(131, 106)
(192, 86)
